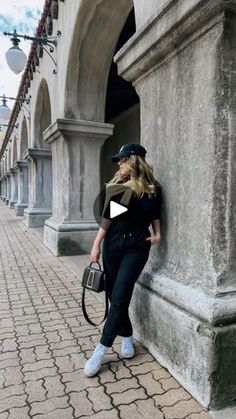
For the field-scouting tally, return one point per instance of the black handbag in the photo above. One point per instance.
(94, 279)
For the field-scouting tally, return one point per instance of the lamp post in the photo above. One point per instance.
(20, 100)
(12, 126)
(6, 125)
(16, 58)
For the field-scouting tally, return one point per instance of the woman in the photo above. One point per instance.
(126, 246)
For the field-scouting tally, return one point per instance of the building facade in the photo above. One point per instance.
(161, 73)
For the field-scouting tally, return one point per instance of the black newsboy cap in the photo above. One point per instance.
(128, 150)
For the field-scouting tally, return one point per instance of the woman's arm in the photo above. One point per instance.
(156, 227)
(96, 249)
(156, 216)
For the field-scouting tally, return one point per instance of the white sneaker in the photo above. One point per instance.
(94, 363)
(127, 347)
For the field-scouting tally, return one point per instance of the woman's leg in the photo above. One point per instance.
(111, 263)
(111, 258)
(123, 269)
(126, 328)
(131, 266)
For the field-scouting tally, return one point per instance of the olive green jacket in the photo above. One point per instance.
(112, 190)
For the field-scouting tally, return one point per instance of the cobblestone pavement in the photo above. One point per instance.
(44, 342)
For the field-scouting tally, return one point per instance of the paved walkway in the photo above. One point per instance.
(44, 342)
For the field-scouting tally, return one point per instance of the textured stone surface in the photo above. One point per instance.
(40, 174)
(187, 113)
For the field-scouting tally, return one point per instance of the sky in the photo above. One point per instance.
(22, 15)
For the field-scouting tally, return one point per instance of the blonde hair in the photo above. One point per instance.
(141, 179)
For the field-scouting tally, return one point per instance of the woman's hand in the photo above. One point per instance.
(95, 253)
(154, 239)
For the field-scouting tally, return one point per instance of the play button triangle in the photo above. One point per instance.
(116, 209)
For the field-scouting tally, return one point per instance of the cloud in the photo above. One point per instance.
(29, 14)
(23, 19)
(4, 23)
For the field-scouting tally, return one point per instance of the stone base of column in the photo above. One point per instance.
(190, 333)
(12, 204)
(64, 239)
(36, 217)
(20, 208)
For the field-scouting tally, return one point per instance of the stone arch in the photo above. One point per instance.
(22, 171)
(23, 139)
(122, 107)
(40, 163)
(42, 115)
(97, 30)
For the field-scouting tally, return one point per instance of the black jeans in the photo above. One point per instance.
(124, 256)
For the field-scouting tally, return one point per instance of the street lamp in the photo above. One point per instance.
(5, 111)
(16, 58)
(6, 125)
(19, 100)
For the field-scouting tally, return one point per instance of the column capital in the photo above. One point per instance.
(19, 164)
(80, 128)
(173, 26)
(8, 173)
(37, 153)
(13, 170)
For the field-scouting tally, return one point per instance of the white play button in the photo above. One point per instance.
(116, 209)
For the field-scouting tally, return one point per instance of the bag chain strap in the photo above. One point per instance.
(84, 307)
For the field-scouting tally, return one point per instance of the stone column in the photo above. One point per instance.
(4, 188)
(8, 190)
(22, 178)
(40, 186)
(14, 188)
(1, 187)
(75, 149)
(184, 307)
